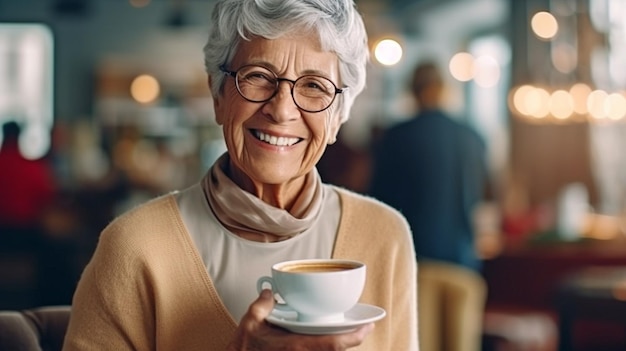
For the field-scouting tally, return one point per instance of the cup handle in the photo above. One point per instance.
(281, 306)
(263, 280)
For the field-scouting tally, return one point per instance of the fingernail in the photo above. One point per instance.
(266, 294)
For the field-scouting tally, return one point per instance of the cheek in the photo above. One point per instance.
(331, 125)
(320, 126)
(228, 107)
(333, 129)
(231, 115)
(324, 129)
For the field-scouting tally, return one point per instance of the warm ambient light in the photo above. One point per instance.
(564, 57)
(462, 66)
(144, 89)
(561, 104)
(580, 92)
(139, 3)
(615, 106)
(519, 99)
(486, 71)
(595, 103)
(538, 103)
(388, 52)
(544, 25)
(531, 101)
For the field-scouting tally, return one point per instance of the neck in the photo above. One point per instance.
(280, 196)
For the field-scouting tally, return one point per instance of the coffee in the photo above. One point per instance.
(310, 287)
(318, 267)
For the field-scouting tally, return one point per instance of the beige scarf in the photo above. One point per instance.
(239, 209)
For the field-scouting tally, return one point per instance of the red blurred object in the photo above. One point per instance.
(27, 187)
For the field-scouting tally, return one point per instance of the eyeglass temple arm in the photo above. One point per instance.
(230, 73)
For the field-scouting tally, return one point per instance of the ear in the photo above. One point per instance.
(219, 119)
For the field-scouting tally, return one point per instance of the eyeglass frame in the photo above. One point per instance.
(278, 80)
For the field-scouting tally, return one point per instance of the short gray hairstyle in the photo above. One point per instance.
(337, 22)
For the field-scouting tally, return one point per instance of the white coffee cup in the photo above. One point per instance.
(318, 290)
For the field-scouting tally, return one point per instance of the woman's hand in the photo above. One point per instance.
(255, 334)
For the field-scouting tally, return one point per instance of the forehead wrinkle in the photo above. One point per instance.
(262, 53)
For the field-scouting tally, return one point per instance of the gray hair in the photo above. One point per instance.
(337, 22)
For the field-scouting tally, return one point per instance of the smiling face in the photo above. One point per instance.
(275, 144)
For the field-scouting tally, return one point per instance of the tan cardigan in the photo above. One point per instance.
(146, 287)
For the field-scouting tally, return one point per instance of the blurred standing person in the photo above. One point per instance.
(179, 272)
(432, 168)
(27, 188)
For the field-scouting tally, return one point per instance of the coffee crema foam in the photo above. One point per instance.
(318, 267)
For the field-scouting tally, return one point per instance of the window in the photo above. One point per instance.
(26, 84)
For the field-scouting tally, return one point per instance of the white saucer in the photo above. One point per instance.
(357, 316)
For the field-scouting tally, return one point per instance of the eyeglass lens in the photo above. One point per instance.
(310, 93)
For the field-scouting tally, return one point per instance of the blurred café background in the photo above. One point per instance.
(113, 102)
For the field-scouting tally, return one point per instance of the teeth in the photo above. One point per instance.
(278, 141)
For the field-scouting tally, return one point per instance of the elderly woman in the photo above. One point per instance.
(179, 272)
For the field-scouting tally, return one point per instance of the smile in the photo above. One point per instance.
(274, 140)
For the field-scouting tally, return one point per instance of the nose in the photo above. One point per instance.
(281, 107)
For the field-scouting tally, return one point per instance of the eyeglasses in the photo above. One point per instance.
(310, 93)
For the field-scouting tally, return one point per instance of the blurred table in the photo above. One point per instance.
(528, 275)
(526, 279)
(597, 293)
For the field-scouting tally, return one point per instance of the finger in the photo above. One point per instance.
(364, 331)
(336, 342)
(262, 306)
(356, 337)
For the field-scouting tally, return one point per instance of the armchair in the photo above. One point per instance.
(36, 329)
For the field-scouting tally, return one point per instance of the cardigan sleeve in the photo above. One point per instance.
(112, 307)
(380, 236)
(146, 288)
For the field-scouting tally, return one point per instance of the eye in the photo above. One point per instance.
(257, 77)
(315, 86)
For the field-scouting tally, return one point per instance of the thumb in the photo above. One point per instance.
(264, 304)
(266, 296)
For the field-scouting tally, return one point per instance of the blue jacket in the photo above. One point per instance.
(433, 169)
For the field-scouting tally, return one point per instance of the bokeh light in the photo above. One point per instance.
(388, 52)
(615, 106)
(139, 3)
(564, 57)
(580, 92)
(145, 89)
(544, 25)
(537, 102)
(595, 103)
(519, 98)
(561, 104)
(462, 66)
(486, 71)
